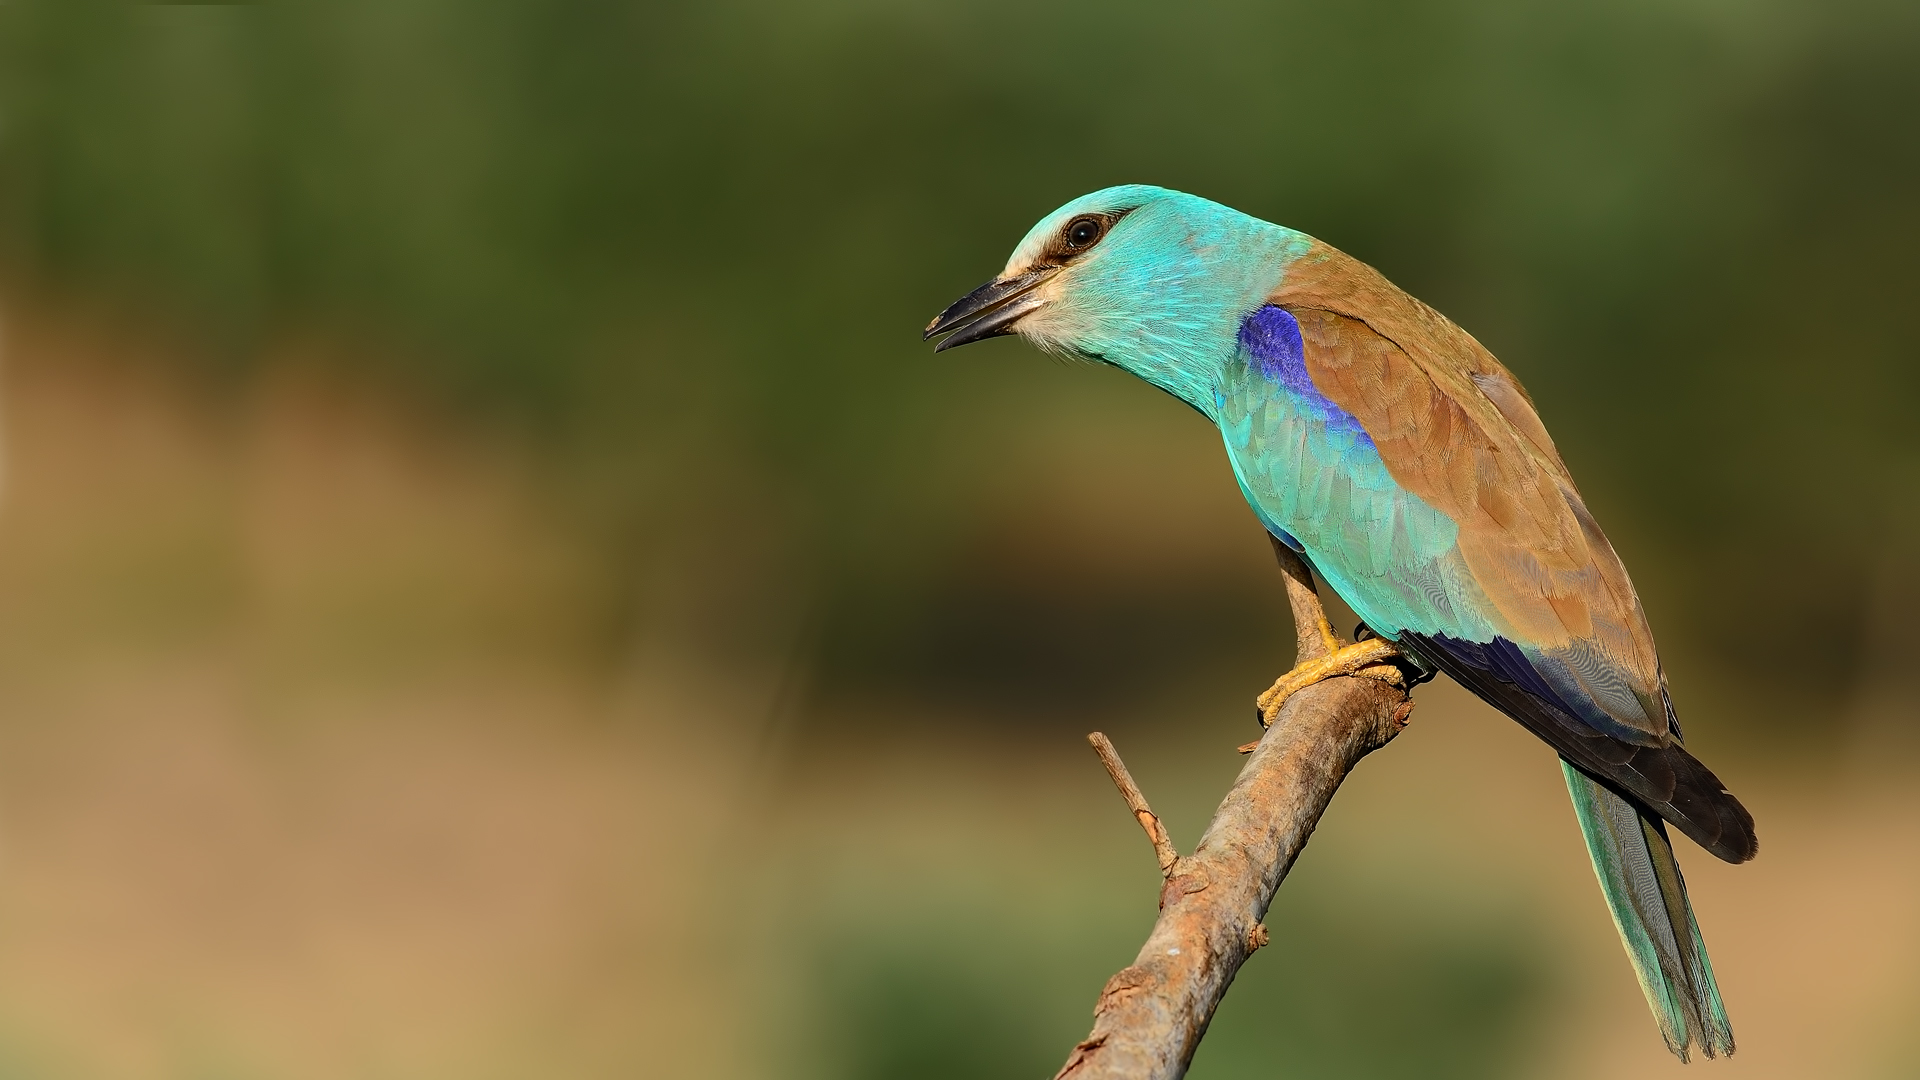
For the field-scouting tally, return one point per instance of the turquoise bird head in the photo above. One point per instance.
(1147, 279)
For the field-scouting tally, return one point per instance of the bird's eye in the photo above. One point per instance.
(1081, 232)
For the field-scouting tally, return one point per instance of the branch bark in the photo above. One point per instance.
(1152, 1014)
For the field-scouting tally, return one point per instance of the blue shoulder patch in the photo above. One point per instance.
(1271, 337)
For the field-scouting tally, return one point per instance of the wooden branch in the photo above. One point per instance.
(1152, 1014)
(1156, 833)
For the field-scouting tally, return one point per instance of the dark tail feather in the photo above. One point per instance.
(1666, 779)
(1642, 883)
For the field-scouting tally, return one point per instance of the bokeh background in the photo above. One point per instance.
(493, 585)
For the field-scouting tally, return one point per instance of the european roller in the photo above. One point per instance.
(1410, 469)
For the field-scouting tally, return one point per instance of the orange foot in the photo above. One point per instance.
(1374, 658)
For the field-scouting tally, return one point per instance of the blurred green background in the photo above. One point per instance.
(493, 585)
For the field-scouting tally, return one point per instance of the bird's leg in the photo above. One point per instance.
(1374, 658)
(1322, 655)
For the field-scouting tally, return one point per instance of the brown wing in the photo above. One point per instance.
(1455, 428)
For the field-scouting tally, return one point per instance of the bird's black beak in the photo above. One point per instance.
(990, 310)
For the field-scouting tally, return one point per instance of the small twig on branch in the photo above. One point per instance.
(1163, 848)
(1152, 1014)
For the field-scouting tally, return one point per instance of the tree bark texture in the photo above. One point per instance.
(1152, 1014)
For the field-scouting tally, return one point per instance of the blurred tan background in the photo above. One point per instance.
(492, 584)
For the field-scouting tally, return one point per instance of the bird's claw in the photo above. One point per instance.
(1374, 658)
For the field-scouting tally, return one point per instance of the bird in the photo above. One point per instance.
(1405, 465)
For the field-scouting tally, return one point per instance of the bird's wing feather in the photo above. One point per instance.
(1454, 428)
(1440, 510)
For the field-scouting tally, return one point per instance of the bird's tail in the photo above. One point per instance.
(1642, 883)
